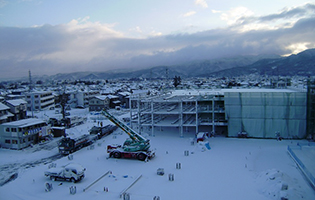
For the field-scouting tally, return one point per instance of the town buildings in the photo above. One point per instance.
(229, 107)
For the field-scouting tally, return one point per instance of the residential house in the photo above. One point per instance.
(18, 107)
(5, 114)
(83, 97)
(98, 103)
(113, 101)
(124, 99)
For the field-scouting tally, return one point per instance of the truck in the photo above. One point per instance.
(102, 131)
(68, 121)
(69, 145)
(72, 121)
(71, 172)
(136, 146)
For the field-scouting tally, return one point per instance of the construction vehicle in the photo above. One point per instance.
(136, 146)
(102, 131)
(69, 145)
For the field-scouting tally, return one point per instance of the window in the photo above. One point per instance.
(7, 129)
(13, 129)
(14, 141)
(7, 141)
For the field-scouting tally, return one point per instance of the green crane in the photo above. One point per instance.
(135, 142)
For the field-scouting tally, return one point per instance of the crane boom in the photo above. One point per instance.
(138, 141)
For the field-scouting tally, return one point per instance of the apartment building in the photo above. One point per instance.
(22, 133)
(39, 100)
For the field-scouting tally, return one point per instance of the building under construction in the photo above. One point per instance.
(259, 113)
(311, 109)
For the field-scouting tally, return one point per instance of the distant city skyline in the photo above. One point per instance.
(50, 37)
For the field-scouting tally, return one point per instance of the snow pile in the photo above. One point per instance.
(275, 184)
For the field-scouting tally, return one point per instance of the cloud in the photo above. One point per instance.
(216, 11)
(235, 15)
(3, 3)
(188, 14)
(284, 19)
(136, 29)
(81, 45)
(201, 3)
(289, 13)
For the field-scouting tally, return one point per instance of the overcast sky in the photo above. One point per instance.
(62, 36)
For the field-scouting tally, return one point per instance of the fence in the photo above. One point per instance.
(303, 168)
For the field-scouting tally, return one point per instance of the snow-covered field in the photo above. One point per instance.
(232, 169)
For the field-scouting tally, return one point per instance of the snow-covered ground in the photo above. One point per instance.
(232, 169)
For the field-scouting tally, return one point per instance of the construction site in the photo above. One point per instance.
(257, 113)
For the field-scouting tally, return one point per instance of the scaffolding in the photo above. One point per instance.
(187, 113)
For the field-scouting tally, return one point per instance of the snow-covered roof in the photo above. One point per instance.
(222, 91)
(7, 115)
(58, 128)
(16, 102)
(3, 107)
(260, 90)
(24, 122)
(40, 92)
(101, 97)
(112, 96)
(194, 94)
(139, 91)
(124, 93)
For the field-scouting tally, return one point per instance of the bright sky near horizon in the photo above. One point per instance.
(59, 36)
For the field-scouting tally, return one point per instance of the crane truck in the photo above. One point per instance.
(136, 146)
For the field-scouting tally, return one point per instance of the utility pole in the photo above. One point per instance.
(30, 88)
(30, 80)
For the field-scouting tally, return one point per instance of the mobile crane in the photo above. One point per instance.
(136, 146)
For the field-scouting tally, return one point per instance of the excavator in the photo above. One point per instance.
(136, 146)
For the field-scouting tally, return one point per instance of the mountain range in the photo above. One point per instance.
(274, 65)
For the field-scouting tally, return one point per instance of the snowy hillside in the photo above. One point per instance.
(232, 169)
